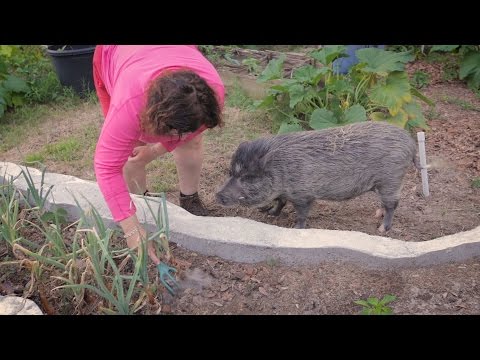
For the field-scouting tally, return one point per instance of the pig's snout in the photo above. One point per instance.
(228, 200)
(221, 198)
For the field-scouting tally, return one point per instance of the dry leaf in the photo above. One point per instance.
(263, 291)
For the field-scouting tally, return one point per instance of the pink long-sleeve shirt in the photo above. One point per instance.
(126, 72)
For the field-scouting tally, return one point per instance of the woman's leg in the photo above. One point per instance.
(189, 160)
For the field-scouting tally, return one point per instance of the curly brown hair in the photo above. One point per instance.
(180, 101)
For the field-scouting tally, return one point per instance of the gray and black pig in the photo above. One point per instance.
(334, 164)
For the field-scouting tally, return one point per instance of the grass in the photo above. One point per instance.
(461, 103)
(65, 150)
(75, 152)
(476, 183)
(433, 114)
(238, 97)
(37, 157)
(162, 175)
(26, 120)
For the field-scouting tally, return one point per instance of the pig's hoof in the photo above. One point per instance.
(379, 213)
(274, 212)
(265, 208)
(381, 229)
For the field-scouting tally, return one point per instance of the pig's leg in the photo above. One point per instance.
(302, 208)
(277, 208)
(270, 206)
(267, 207)
(379, 213)
(390, 196)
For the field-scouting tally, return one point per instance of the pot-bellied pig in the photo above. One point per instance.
(333, 164)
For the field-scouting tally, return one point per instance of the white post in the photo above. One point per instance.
(423, 162)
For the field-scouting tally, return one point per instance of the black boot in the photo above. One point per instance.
(193, 204)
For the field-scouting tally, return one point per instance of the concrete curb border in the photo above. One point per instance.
(245, 240)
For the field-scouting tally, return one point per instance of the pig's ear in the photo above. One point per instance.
(264, 160)
(243, 148)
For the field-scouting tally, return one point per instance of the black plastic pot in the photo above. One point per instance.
(74, 66)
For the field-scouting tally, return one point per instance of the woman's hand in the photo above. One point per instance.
(135, 234)
(144, 154)
(135, 240)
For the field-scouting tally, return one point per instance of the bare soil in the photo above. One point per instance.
(211, 285)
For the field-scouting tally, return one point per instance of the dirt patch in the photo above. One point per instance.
(59, 125)
(211, 285)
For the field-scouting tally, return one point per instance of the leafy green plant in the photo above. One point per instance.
(9, 213)
(420, 79)
(37, 196)
(111, 287)
(469, 62)
(374, 306)
(91, 261)
(316, 98)
(12, 88)
(238, 97)
(252, 65)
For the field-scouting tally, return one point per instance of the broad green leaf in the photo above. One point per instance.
(322, 119)
(17, 100)
(446, 48)
(15, 84)
(265, 102)
(340, 86)
(378, 116)
(274, 70)
(3, 69)
(469, 64)
(470, 68)
(474, 81)
(3, 94)
(2, 109)
(297, 94)
(284, 87)
(373, 301)
(400, 120)
(355, 113)
(309, 74)
(287, 127)
(382, 62)
(361, 302)
(6, 50)
(387, 299)
(394, 93)
(415, 115)
(279, 88)
(329, 53)
(6, 97)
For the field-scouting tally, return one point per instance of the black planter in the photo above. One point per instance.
(74, 66)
